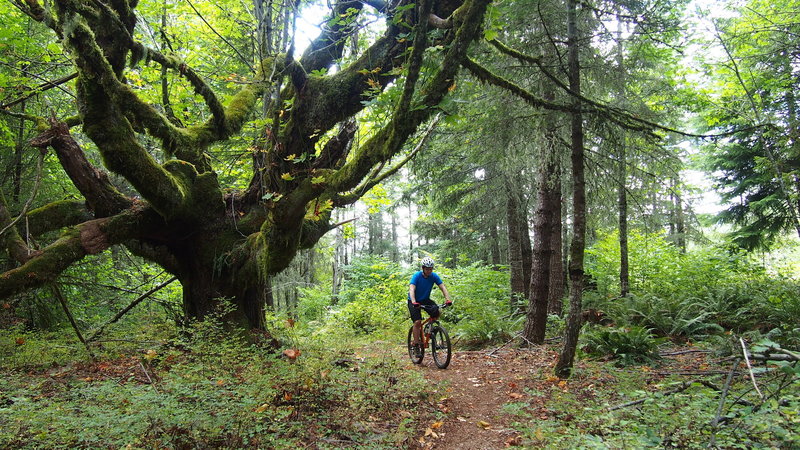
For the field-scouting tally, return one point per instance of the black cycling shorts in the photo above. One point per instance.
(428, 305)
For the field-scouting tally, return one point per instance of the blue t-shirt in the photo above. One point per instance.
(424, 285)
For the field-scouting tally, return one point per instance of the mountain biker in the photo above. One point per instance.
(419, 297)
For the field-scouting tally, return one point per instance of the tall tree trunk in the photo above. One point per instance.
(622, 203)
(567, 356)
(495, 257)
(518, 244)
(395, 247)
(556, 295)
(16, 179)
(622, 176)
(546, 219)
(546, 199)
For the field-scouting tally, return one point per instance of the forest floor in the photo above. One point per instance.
(476, 389)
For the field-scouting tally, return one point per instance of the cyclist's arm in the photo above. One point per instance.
(446, 294)
(412, 290)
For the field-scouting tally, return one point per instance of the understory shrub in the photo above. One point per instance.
(631, 345)
(211, 390)
(689, 295)
(481, 314)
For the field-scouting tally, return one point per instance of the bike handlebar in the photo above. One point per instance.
(443, 305)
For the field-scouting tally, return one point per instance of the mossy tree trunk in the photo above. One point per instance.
(220, 242)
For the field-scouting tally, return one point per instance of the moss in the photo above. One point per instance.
(57, 215)
(207, 195)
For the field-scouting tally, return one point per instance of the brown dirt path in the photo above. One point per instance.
(472, 392)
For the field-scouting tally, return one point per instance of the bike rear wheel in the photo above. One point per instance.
(440, 347)
(415, 358)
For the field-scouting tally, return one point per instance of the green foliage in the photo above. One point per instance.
(624, 408)
(695, 294)
(373, 296)
(207, 389)
(628, 346)
(481, 313)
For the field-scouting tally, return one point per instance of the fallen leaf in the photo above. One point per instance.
(483, 424)
(262, 408)
(515, 395)
(20, 341)
(220, 382)
(287, 396)
(562, 384)
(291, 353)
(437, 425)
(461, 419)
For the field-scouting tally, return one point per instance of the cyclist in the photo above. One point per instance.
(419, 297)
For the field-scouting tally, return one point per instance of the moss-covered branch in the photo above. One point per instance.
(485, 75)
(389, 140)
(101, 196)
(371, 182)
(45, 265)
(54, 216)
(10, 238)
(106, 125)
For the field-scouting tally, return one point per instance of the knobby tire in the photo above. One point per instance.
(410, 345)
(441, 349)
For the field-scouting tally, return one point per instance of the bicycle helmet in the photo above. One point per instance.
(427, 262)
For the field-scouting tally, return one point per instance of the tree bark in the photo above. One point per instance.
(546, 212)
(566, 358)
(519, 244)
(555, 297)
(224, 245)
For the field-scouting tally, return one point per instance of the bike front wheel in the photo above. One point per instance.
(440, 347)
(416, 357)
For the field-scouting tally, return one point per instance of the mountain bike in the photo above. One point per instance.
(435, 334)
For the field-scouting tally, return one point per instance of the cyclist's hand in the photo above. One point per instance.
(416, 304)
(448, 303)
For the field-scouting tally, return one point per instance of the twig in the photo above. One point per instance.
(717, 416)
(693, 372)
(148, 376)
(57, 293)
(506, 343)
(750, 368)
(684, 385)
(125, 310)
(33, 194)
(683, 352)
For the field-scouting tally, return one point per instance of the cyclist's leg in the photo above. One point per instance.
(416, 317)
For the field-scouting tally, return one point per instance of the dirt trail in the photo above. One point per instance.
(478, 384)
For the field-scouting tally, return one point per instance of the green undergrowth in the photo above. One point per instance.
(610, 407)
(208, 389)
